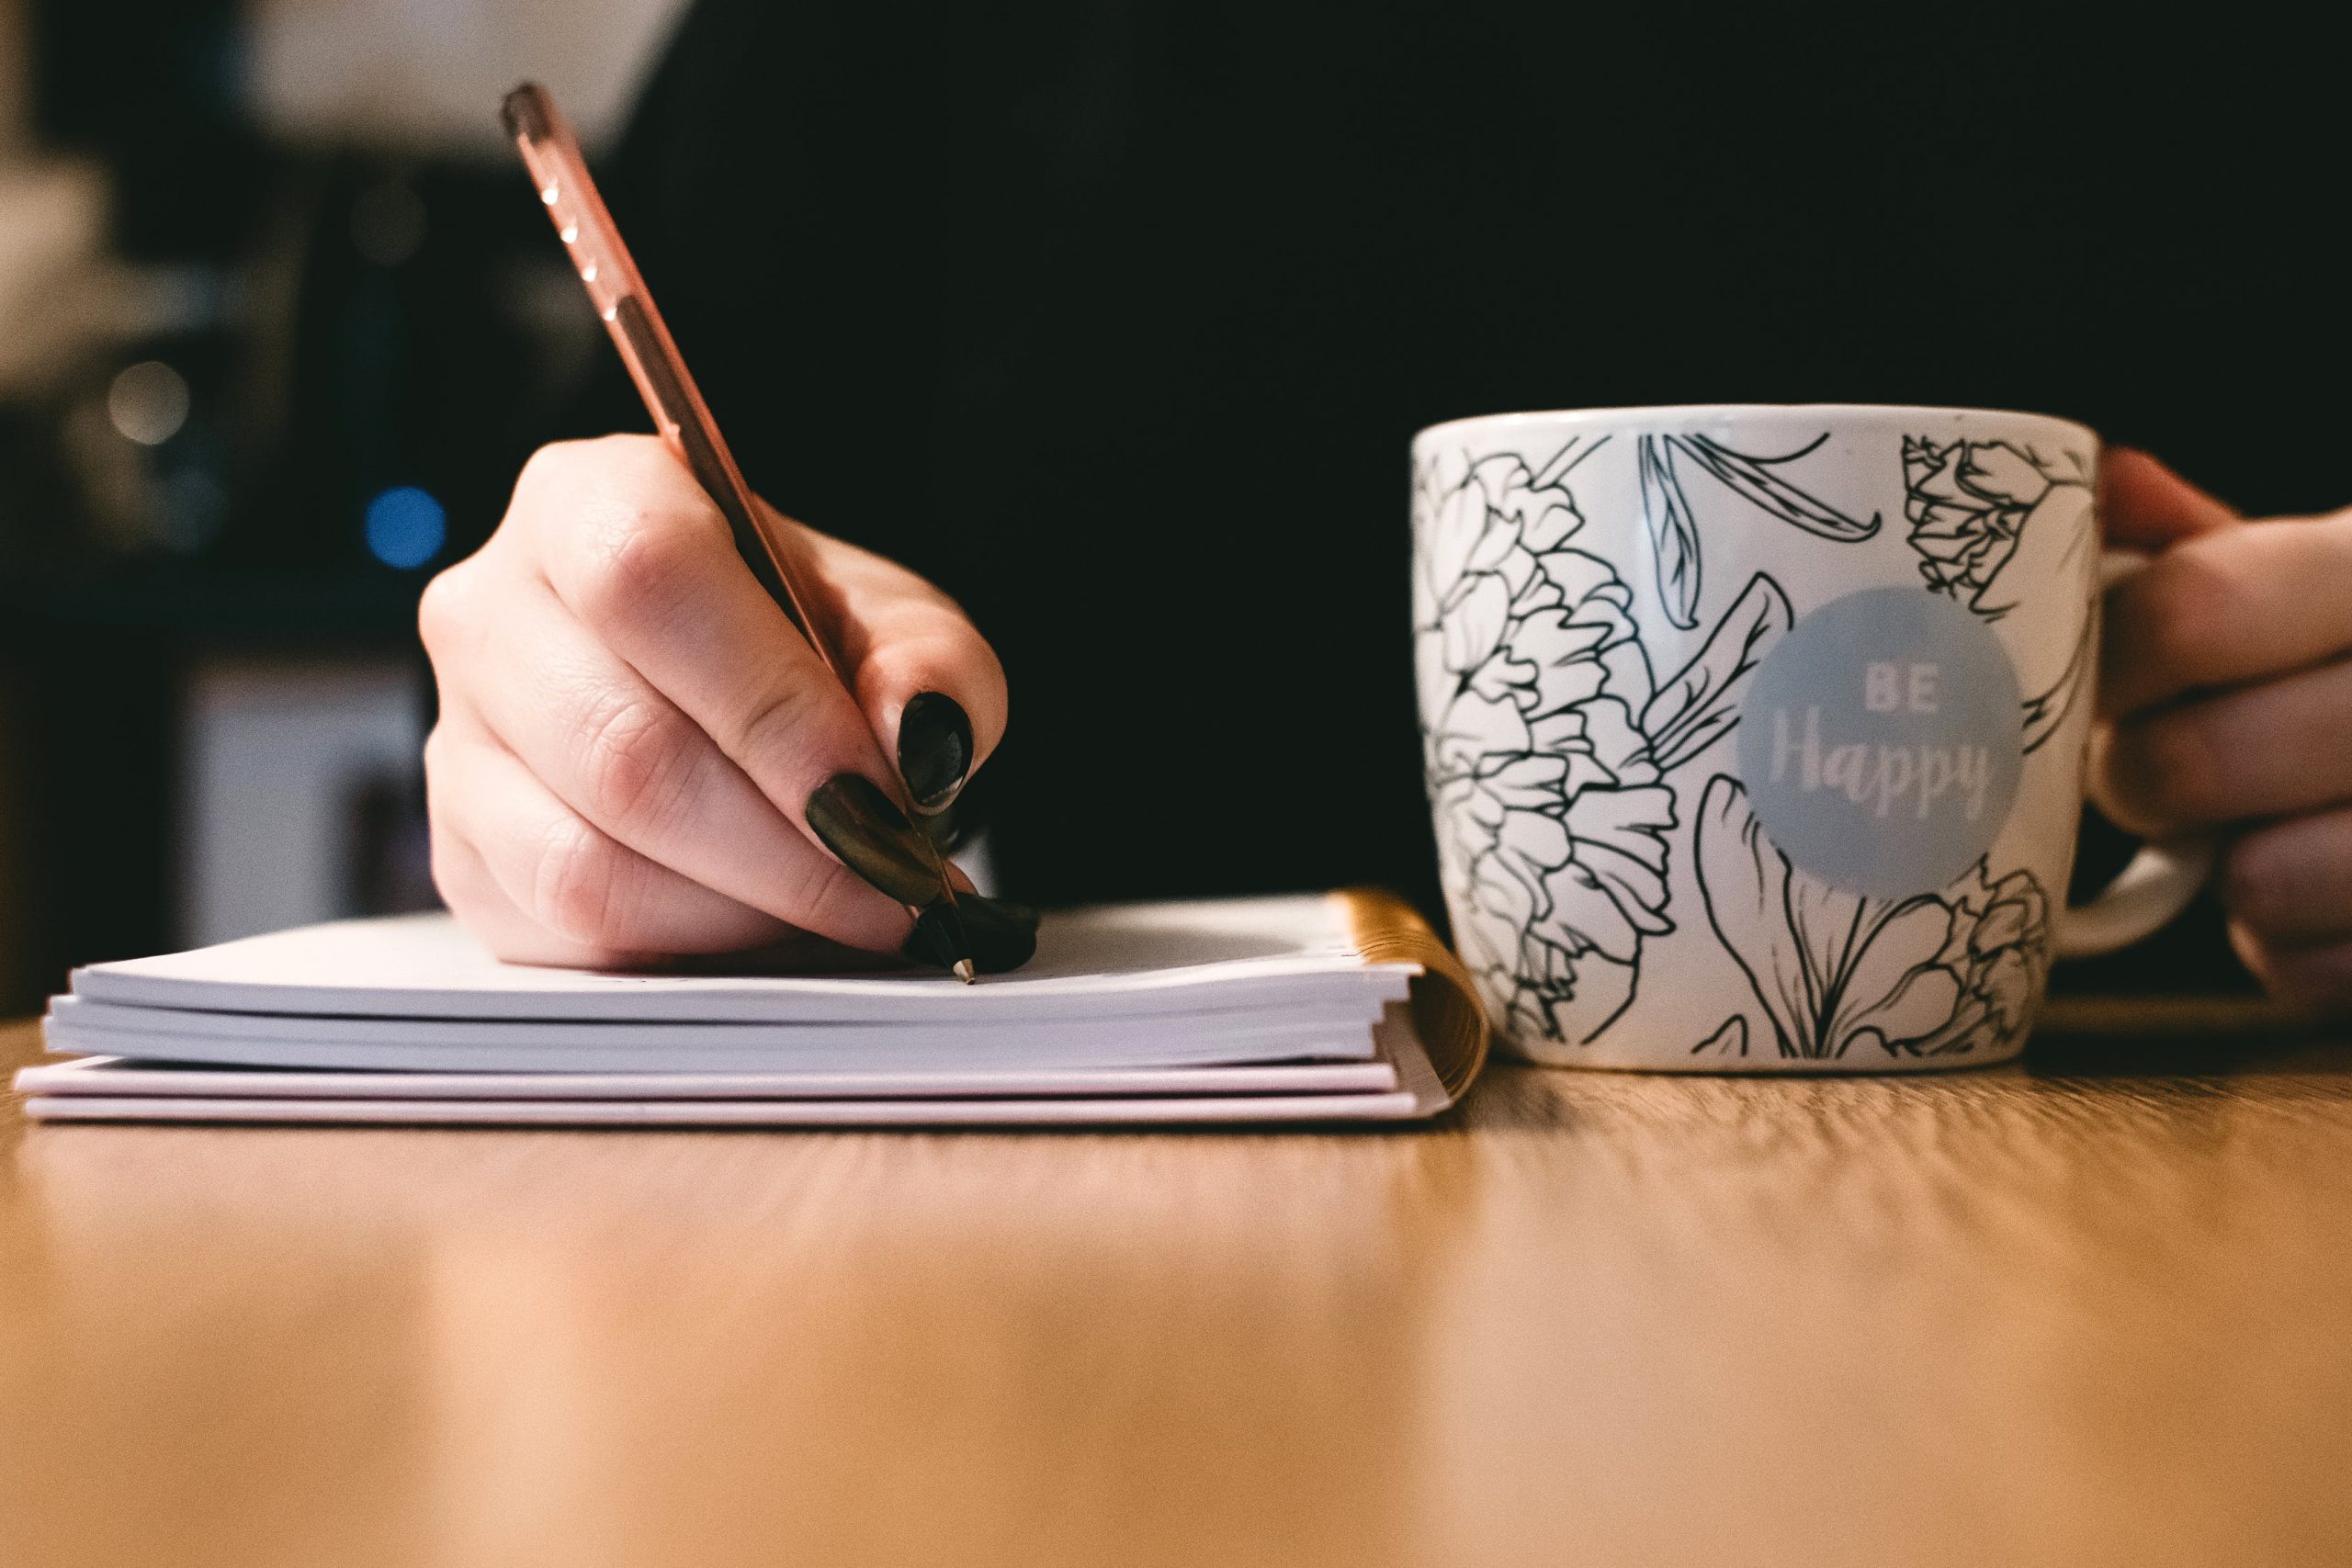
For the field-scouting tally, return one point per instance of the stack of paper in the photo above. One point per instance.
(1261, 1009)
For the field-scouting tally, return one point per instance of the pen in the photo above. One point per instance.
(622, 301)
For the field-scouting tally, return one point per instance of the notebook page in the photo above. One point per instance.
(1275, 1027)
(666, 1048)
(109, 1075)
(1099, 964)
(1416, 1093)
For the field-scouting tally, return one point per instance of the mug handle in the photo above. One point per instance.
(2160, 879)
(2156, 886)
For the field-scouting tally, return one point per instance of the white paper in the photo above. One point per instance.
(1253, 1009)
(1417, 1094)
(1042, 1112)
(1117, 961)
(413, 1045)
(112, 1076)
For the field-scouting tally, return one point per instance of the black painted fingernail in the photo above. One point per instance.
(944, 827)
(998, 934)
(995, 934)
(934, 748)
(936, 940)
(853, 817)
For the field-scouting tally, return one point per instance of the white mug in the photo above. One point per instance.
(1756, 735)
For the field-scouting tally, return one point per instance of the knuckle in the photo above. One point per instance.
(444, 611)
(578, 887)
(775, 721)
(534, 474)
(640, 564)
(559, 465)
(550, 466)
(632, 761)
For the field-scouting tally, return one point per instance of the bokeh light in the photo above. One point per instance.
(405, 526)
(148, 402)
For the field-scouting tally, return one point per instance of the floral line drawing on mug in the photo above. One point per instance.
(1984, 510)
(1548, 740)
(1834, 971)
(1813, 810)
(1673, 524)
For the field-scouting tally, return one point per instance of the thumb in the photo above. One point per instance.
(2147, 506)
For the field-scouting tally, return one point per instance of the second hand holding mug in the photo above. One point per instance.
(1756, 735)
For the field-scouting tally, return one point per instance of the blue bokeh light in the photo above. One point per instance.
(405, 526)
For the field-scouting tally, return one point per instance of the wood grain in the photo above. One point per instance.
(2056, 1314)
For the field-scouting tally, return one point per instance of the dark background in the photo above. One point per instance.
(1116, 319)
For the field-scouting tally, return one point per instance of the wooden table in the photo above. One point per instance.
(2063, 1314)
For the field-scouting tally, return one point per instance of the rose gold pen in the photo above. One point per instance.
(684, 420)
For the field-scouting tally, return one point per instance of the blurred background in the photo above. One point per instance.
(271, 316)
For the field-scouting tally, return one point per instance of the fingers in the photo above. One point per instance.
(2145, 505)
(470, 890)
(2228, 606)
(2225, 658)
(928, 682)
(586, 891)
(622, 757)
(2264, 750)
(689, 748)
(2288, 887)
(646, 563)
(2290, 883)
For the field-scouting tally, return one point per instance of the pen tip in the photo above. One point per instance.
(964, 971)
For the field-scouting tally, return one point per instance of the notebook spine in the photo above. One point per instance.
(1447, 1015)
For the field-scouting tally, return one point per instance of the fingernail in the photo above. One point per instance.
(934, 940)
(934, 748)
(853, 817)
(996, 935)
(944, 827)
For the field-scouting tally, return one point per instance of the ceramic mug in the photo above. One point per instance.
(1755, 736)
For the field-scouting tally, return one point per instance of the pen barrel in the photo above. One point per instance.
(617, 289)
(622, 301)
(634, 334)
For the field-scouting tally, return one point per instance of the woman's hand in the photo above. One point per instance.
(639, 756)
(2224, 673)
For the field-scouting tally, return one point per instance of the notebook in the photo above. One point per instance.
(1336, 1007)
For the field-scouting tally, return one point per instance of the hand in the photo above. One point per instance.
(2225, 675)
(633, 741)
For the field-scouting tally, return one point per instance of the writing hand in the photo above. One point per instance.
(639, 756)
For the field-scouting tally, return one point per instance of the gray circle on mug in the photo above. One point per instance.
(1881, 741)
